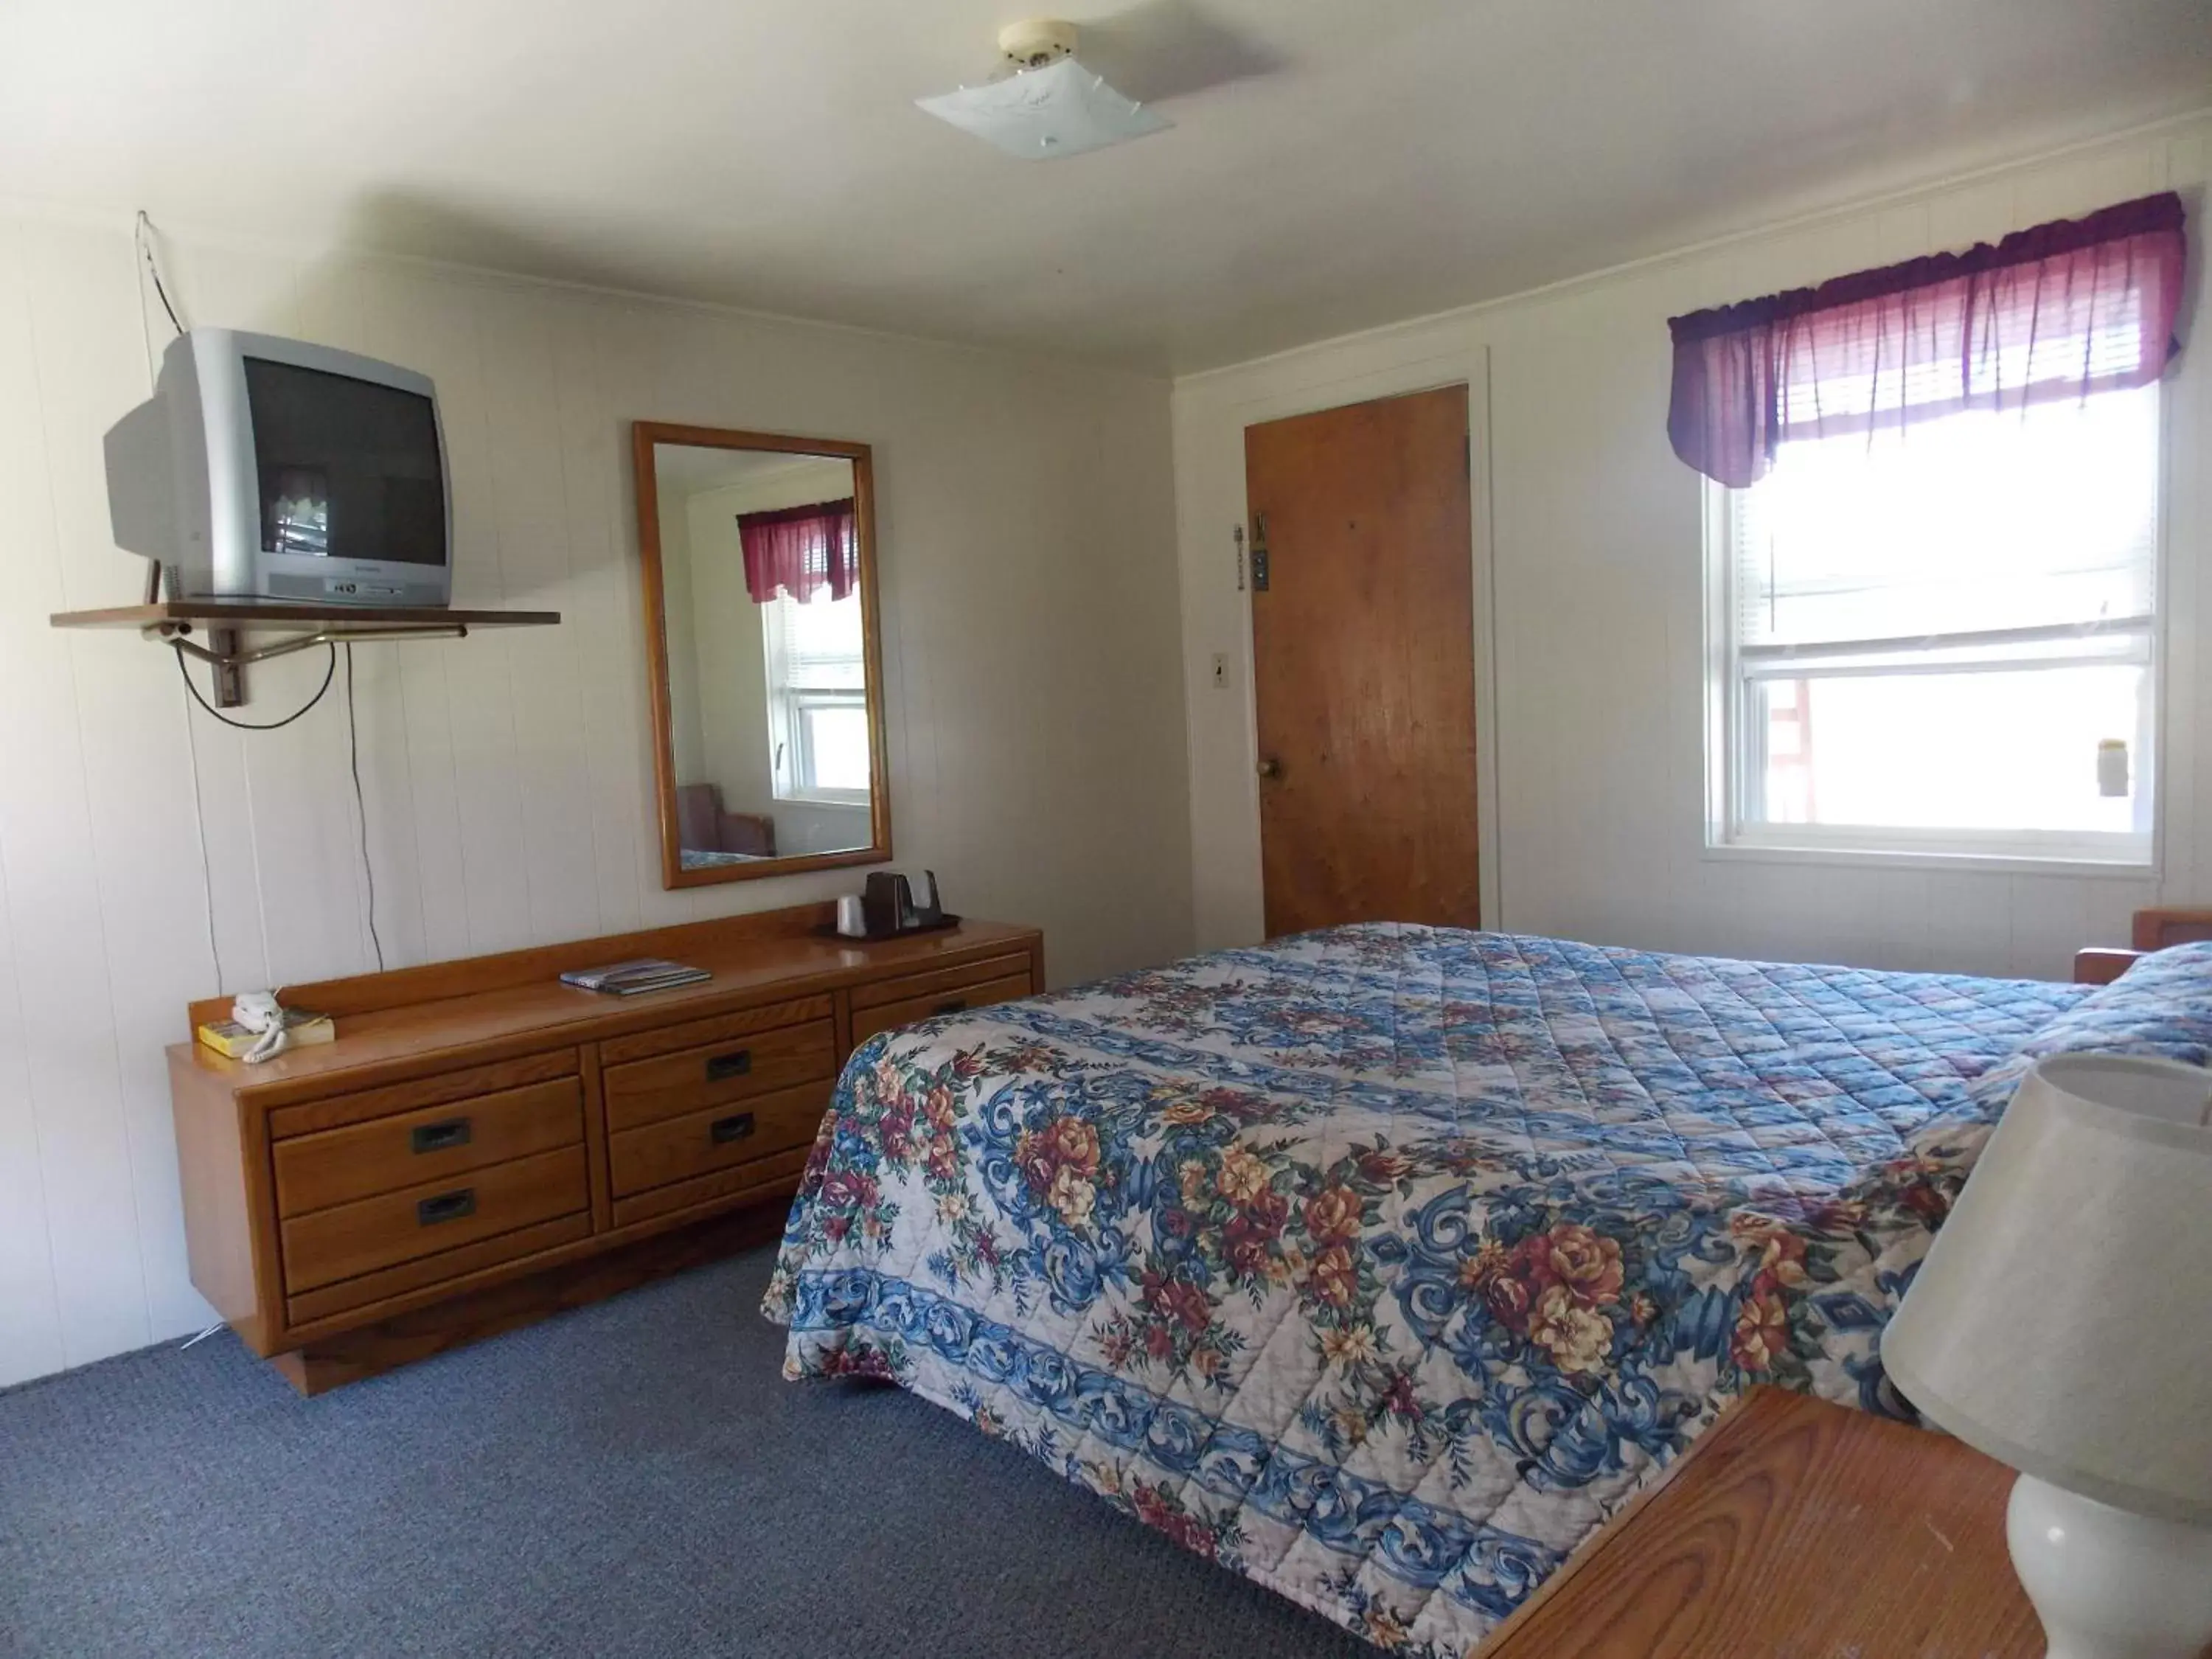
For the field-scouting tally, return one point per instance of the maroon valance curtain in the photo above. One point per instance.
(799, 550)
(2066, 309)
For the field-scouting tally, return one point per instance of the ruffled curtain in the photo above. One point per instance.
(2069, 308)
(799, 550)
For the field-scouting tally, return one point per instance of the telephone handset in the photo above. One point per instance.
(257, 1011)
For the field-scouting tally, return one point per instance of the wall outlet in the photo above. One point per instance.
(1221, 670)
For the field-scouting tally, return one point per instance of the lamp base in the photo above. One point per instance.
(2108, 1584)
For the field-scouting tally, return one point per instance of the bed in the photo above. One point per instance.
(1382, 1264)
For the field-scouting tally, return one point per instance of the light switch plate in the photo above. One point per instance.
(1221, 670)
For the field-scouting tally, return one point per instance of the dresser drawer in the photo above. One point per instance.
(718, 1138)
(431, 1272)
(334, 1111)
(908, 988)
(737, 1067)
(436, 1143)
(762, 1179)
(953, 997)
(360, 1238)
(715, 1028)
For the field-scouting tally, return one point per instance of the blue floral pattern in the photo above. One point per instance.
(1382, 1264)
(2161, 1006)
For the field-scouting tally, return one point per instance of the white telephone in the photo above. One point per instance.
(257, 1011)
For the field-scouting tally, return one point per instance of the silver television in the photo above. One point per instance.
(269, 469)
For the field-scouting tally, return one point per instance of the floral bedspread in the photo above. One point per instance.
(1382, 1264)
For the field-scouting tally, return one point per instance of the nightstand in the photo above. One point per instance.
(1794, 1527)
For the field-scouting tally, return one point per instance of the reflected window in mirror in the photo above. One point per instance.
(760, 581)
(817, 700)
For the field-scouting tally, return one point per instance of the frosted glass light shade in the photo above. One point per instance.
(2063, 1320)
(1042, 114)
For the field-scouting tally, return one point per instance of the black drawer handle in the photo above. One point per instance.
(447, 1207)
(437, 1137)
(724, 1130)
(957, 1005)
(730, 1064)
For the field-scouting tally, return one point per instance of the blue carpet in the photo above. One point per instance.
(634, 1477)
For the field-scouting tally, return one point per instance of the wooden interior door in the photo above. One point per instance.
(1362, 650)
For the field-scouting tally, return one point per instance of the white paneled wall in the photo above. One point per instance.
(1029, 582)
(1594, 619)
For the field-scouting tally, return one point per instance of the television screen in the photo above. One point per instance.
(349, 469)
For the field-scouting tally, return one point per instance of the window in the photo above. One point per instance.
(1944, 642)
(818, 705)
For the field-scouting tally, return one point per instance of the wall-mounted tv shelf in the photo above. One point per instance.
(176, 621)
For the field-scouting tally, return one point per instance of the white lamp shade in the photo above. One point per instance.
(1042, 114)
(2063, 1320)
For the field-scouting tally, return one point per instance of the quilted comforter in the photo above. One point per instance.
(1382, 1264)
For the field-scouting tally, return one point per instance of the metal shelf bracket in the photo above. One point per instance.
(223, 653)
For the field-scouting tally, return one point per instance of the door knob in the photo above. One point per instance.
(1271, 768)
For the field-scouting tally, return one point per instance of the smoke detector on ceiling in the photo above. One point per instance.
(1050, 106)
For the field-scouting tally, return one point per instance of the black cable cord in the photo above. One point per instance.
(353, 756)
(162, 294)
(329, 674)
(361, 808)
(155, 270)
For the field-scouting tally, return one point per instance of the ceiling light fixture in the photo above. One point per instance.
(1050, 106)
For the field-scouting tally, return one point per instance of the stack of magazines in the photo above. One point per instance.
(628, 979)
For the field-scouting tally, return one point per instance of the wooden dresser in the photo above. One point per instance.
(482, 1146)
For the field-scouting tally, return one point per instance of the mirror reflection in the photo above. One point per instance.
(767, 657)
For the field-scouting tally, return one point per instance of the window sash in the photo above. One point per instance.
(1736, 743)
(1983, 522)
(2128, 640)
(1745, 824)
(2129, 851)
(800, 679)
(796, 663)
(1787, 655)
(805, 785)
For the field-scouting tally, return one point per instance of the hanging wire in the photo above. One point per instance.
(361, 808)
(329, 674)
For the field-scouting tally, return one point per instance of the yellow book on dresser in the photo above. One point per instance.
(234, 1041)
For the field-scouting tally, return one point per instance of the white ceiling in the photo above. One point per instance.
(1334, 164)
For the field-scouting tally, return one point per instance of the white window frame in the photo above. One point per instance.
(1733, 740)
(790, 755)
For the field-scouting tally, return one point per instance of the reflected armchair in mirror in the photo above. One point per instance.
(758, 558)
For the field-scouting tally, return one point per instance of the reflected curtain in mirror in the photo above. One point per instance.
(757, 553)
(799, 550)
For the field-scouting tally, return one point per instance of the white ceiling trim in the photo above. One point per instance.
(1814, 219)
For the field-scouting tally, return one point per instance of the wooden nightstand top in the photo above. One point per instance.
(1800, 1528)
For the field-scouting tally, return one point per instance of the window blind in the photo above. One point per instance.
(820, 645)
(2032, 533)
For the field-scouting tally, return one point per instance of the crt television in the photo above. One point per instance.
(269, 469)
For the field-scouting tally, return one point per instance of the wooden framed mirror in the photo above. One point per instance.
(761, 643)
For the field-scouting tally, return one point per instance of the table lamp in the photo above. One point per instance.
(2063, 1323)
